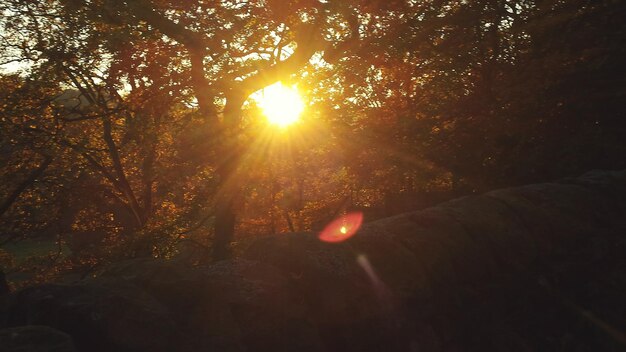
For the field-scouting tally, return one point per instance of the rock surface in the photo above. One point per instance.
(534, 268)
(99, 318)
(32, 338)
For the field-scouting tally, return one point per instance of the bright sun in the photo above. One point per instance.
(281, 105)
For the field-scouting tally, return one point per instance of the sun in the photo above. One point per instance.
(281, 105)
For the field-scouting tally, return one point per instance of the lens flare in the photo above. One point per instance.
(342, 228)
(382, 291)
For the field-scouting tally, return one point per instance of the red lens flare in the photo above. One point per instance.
(342, 228)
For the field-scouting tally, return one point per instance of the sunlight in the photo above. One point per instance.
(281, 105)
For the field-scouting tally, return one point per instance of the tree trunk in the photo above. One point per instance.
(230, 187)
(225, 216)
(225, 221)
(4, 285)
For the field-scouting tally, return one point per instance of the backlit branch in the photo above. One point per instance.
(195, 43)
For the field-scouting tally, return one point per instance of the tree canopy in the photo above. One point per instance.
(128, 126)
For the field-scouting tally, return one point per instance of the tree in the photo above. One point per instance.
(25, 158)
(212, 55)
(485, 94)
(148, 100)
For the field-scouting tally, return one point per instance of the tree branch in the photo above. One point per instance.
(195, 43)
(308, 43)
(144, 10)
(119, 170)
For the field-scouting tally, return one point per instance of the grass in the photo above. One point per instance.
(22, 250)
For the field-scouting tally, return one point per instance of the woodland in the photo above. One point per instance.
(131, 128)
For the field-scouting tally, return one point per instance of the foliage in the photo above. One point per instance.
(130, 127)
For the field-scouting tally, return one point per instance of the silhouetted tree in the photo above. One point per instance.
(133, 121)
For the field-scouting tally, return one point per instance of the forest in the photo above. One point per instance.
(312, 175)
(140, 128)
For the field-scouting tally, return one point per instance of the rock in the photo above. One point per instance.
(539, 267)
(32, 338)
(203, 319)
(120, 318)
(327, 275)
(342, 301)
(228, 306)
(493, 226)
(465, 274)
(397, 267)
(174, 285)
(439, 243)
(264, 305)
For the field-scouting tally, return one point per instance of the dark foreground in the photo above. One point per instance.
(534, 268)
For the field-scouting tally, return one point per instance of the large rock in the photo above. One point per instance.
(352, 310)
(32, 338)
(326, 275)
(526, 268)
(203, 320)
(262, 302)
(233, 305)
(174, 285)
(120, 318)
